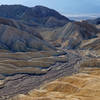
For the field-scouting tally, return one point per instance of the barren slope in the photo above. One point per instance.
(82, 86)
(17, 37)
(33, 16)
(22, 72)
(71, 35)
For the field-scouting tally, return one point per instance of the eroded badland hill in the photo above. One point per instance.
(46, 56)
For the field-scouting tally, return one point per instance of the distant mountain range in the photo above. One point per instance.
(37, 15)
(80, 17)
(40, 28)
(95, 21)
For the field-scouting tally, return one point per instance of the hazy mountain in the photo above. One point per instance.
(94, 21)
(33, 15)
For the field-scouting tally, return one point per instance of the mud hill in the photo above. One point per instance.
(22, 72)
(71, 35)
(15, 36)
(82, 86)
(20, 27)
(43, 52)
(93, 43)
(45, 29)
